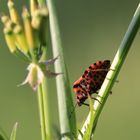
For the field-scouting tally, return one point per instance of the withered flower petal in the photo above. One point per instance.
(34, 77)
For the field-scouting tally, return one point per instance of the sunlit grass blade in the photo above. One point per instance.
(14, 132)
(88, 132)
(115, 68)
(65, 102)
(3, 136)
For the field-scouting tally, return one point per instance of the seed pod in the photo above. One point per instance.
(20, 39)
(4, 19)
(9, 24)
(33, 6)
(28, 29)
(13, 12)
(10, 39)
(36, 19)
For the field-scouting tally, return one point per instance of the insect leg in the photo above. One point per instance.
(85, 104)
(51, 61)
(104, 69)
(52, 74)
(73, 110)
(95, 99)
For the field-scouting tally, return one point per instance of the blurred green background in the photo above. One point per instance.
(91, 30)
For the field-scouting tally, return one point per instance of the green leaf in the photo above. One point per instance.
(14, 131)
(3, 136)
(89, 129)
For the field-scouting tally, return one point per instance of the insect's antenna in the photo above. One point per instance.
(73, 110)
(101, 70)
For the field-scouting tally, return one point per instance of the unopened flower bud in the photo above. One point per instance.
(36, 19)
(9, 24)
(4, 19)
(13, 12)
(33, 6)
(20, 39)
(10, 39)
(28, 29)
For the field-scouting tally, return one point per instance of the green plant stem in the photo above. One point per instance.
(47, 114)
(43, 97)
(115, 68)
(65, 102)
(3, 135)
(44, 111)
(41, 112)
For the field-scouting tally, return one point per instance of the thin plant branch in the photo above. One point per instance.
(115, 68)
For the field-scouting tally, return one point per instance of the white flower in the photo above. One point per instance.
(37, 73)
(35, 76)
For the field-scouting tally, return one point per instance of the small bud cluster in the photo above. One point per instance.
(27, 38)
(30, 37)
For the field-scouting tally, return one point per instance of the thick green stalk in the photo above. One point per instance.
(65, 103)
(115, 68)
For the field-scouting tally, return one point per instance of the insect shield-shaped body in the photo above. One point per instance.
(90, 82)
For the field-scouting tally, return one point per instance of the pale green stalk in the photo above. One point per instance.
(64, 95)
(47, 108)
(43, 101)
(43, 98)
(41, 113)
(115, 68)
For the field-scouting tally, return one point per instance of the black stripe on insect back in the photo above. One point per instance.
(90, 67)
(77, 85)
(83, 76)
(85, 72)
(94, 64)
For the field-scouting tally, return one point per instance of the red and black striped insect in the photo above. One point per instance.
(90, 82)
